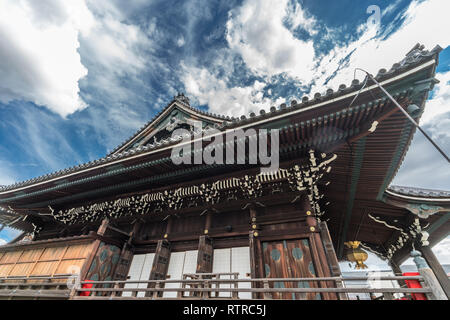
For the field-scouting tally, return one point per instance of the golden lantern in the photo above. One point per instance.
(355, 254)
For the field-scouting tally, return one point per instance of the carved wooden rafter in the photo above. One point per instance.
(299, 178)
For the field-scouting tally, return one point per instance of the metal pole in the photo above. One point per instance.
(406, 114)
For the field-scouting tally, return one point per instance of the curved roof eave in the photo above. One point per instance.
(421, 60)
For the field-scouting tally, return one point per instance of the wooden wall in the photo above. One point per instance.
(62, 259)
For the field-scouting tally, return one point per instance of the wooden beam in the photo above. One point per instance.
(439, 272)
(102, 229)
(119, 231)
(357, 163)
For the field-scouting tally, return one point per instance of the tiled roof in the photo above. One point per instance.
(419, 192)
(184, 101)
(413, 58)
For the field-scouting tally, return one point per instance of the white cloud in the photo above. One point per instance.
(423, 20)
(390, 8)
(261, 33)
(6, 176)
(424, 166)
(256, 32)
(297, 18)
(442, 251)
(112, 43)
(214, 92)
(3, 242)
(41, 63)
(181, 41)
(440, 103)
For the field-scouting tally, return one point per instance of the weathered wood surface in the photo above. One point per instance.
(289, 259)
(205, 255)
(17, 293)
(437, 268)
(436, 291)
(272, 290)
(335, 270)
(51, 261)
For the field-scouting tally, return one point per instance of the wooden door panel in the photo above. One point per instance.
(302, 266)
(290, 259)
(276, 266)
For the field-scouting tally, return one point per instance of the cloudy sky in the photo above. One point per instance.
(78, 77)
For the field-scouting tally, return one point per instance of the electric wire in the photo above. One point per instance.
(368, 75)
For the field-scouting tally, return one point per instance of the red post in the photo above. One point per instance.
(414, 284)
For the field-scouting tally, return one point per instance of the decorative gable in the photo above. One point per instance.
(177, 115)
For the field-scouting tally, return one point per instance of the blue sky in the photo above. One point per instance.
(79, 77)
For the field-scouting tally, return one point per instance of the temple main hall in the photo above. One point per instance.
(134, 225)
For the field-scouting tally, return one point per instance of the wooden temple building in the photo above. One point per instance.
(134, 215)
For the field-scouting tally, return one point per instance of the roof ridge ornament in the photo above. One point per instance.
(182, 98)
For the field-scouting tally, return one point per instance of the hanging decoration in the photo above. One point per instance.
(355, 254)
(299, 178)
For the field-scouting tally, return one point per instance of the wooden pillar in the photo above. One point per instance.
(437, 293)
(160, 264)
(208, 219)
(321, 264)
(255, 245)
(205, 255)
(256, 263)
(317, 250)
(256, 260)
(398, 272)
(253, 262)
(101, 231)
(126, 255)
(438, 271)
(205, 248)
(333, 263)
(160, 261)
(168, 227)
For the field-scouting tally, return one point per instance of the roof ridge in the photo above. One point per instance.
(180, 98)
(414, 57)
(401, 189)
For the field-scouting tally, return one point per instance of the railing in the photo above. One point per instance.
(212, 286)
(199, 286)
(56, 287)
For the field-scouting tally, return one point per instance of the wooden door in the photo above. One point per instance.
(290, 259)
